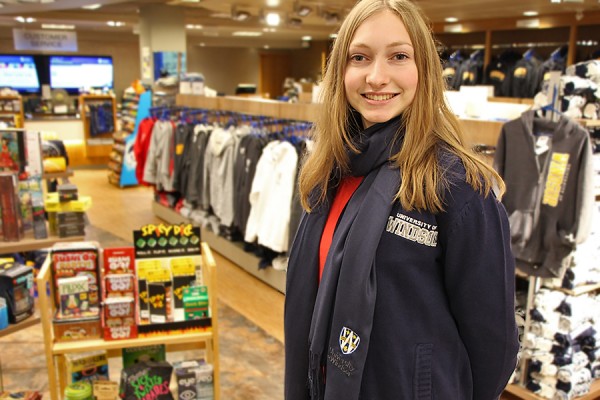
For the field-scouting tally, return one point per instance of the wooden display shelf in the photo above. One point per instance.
(230, 250)
(55, 351)
(26, 323)
(58, 175)
(29, 243)
(101, 344)
(525, 394)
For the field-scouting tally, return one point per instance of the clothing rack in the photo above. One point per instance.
(274, 119)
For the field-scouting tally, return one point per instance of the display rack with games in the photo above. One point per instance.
(22, 195)
(198, 336)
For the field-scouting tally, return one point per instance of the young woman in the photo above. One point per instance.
(401, 278)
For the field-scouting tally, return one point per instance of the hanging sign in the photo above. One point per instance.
(26, 39)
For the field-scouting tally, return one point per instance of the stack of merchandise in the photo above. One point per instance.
(16, 289)
(69, 223)
(66, 211)
(561, 344)
(194, 380)
(119, 293)
(21, 196)
(76, 277)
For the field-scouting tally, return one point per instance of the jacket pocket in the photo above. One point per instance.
(423, 380)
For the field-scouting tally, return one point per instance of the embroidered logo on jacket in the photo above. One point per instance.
(349, 340)
(412, 229)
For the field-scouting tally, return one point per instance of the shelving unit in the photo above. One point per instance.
(56, 351)
(11, 111)
(534, 284)
(122, 164)
(525, 394)
(98, 146)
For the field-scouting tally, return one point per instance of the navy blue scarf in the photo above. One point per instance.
(328, 325)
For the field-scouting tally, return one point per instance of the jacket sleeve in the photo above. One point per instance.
(500, 153)
(150, 167)
(479, 272)
(584, 205)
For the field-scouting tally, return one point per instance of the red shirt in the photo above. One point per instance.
(345, 191)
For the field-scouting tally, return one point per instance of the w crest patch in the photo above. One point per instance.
(349, 340)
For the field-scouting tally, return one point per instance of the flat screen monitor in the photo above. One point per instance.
(75, 72)
(19, 73)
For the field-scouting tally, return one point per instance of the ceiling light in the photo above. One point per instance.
(115, 23)
(25, 20)
(273, 19)
(92, 6)
(247, 33)
(193, 26)
(266, 47)
(302, 11)
(530, 13)
(273, 3)
(57, 26)
(239, 15)
(307, 38)
(333, 36)
(555, 1)
(451, 19)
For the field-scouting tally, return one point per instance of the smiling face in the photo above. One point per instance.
(381, 75)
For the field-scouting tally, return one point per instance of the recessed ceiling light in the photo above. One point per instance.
(530, 13)
(273, 19)
(57, 26)
(451, 19)
(92, 6)
(333, 36)
(266, 46)
(247, 33)
(194, 26)
(555, 1)
(307, 38)
(273, 3)
(115, 23)
(25, 20)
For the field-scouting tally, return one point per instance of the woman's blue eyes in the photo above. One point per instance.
(397, 57)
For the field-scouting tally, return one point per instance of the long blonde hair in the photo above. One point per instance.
(428, 121)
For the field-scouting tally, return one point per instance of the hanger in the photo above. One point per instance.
(529, 54)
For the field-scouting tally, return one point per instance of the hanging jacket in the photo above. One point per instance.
(549, 196)
(141, 145)
(159, 162)
(271, 196)
(218, 175)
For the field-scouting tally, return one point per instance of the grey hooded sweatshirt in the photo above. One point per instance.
(547, 168)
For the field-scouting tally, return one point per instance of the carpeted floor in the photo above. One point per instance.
(251, 362)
